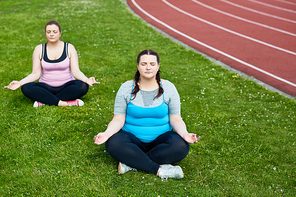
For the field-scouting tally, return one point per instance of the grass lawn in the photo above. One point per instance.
(248, 144)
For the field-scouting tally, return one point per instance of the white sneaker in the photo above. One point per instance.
(122, 168)
(169, 171)
(38, 104)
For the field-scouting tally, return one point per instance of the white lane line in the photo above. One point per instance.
(228, 30)
(258, 12)
(212, 48)
(243, 19)
(288, 2)
(273, 6)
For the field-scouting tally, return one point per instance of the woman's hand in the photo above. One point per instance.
(101, 138)
(91, 81)
(13, 85)
(191, 138)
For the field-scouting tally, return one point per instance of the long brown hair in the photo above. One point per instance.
(137, 75)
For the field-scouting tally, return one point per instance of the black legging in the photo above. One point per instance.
(168, 148)
(52, 95)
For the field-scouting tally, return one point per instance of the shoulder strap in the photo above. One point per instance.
(43, 50)
(66, 48)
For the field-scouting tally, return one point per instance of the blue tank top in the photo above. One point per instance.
(147, 123)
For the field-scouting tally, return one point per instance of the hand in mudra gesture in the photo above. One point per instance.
(101, 138)
(191, 138)
(91, 81)
(13, 85)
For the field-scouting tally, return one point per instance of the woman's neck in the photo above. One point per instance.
(148, 84)
(54, 44)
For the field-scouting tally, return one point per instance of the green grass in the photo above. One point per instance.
(248, 132)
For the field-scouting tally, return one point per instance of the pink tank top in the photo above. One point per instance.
(56, 72)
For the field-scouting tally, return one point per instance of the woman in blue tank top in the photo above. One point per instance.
(147, 132)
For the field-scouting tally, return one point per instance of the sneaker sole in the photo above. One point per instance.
(120, 170)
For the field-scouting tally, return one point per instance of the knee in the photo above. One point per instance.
(83, 88)
(185, 148)
(109, 144)
(181, 144)
(26, 88)
(118, 142)
(113, 144)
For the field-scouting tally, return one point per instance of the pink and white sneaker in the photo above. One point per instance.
(76, 102)
(38, 104)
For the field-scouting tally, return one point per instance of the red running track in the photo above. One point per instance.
(256, 37)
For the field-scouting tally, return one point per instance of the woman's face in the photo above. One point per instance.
(148, 66)
(52, 33)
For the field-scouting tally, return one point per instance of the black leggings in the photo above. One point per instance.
(52, 95)
(168, 148)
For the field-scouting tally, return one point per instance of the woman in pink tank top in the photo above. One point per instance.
(55, 64)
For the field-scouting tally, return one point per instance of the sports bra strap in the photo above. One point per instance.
(66, 49)
(43, 46)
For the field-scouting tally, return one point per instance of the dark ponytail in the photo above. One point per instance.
(136, 87)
